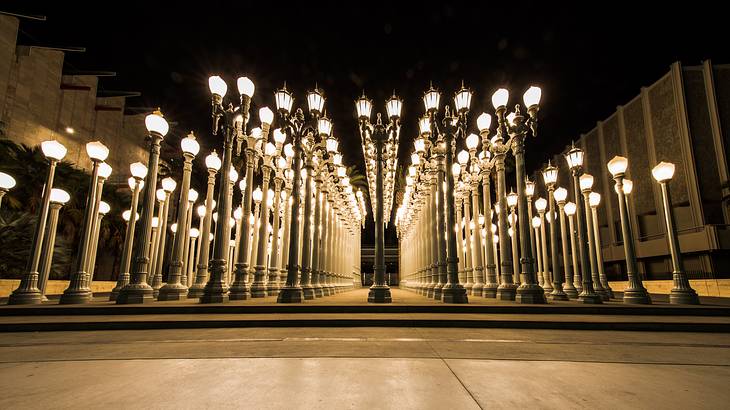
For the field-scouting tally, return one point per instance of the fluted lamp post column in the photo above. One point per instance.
(213, 163)
(594, 198)
(472, 141)
(105, 170)
(28, 292)
(682, 292)
(586, 183)
(570, 210)
(59, 198)
(258, 287)
(272, 286)
(550, 176)
(560, 195)
(136, 182)
(7, 183)
(103, 209)
(164, 195)
(635, 291)
(484, 121)
(78, 290)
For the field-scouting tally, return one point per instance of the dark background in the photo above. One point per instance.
(588, 57)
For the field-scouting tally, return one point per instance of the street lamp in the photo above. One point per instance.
(138, 290)
(594, 198)
(512, 220)
(59, 198)
(586, 183)
(561, 194)
(472, 141)
(213, 163)
(635, 291)
(574, 158)
(682, 292)
(216, 290)
(550, 176)
(78, 290)
(157, 257)
(375, 139)
(258, 287)
(103, 209)
(570, 210)
(541, 206)
(105, 170)
(6, 183)
(28, 292)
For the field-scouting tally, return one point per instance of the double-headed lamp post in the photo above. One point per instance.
(635, 291)
(682, 292)
(28, 292)
(586, 184)
(225, 120)
(138, 290)
(6, 183)
(382, 136)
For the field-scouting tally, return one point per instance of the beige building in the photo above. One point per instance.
(38, 101)
(682, 118)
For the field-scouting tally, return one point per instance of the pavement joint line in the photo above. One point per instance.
(483, 359)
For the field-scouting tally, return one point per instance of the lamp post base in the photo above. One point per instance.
(636, 296)
(684, 297)
(572, 293)
(318, 292)
(175, 291)
(292, 294)
(507, 291)
(30, 297)
(454, 294)
(531, 294)
(590, 299)
(558, 294)
(438, 291)
(135, 293)
(196, 291)
(489, 291)
(477, 289)
(308, 292)
(379, 294)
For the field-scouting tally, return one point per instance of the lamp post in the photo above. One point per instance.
(536, 226)
(105, 170)
(586, 183)
(6, 183)
(258, 287)
(550, 176)
(635, 291)
(164, 196)
(78, 290)
(570, 210)
(529, 193)
(272, 287)
(136, 182)
(594, 198)
(541, 206)
(512, 222)
(287, 200)
(192, 197)
(59, 198)
(193, 234)
(216, 290)
(484, 121)
(28, 292)
(138, 291)
(213, 163)
(560, 195)
(574, 158)
(472, 141)
(682, 292)
(104, 208)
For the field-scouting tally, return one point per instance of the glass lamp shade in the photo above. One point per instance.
(496, 208)
(550, 175)
(104, 208)
(53, 149)
(256, 133)
(663, 171)
(415, 160)
(266, 116)
(511, 118)
(215, 216)
(561, 194)
(97, 151)
(345, 181)
(463, 157)
(462, 100)
(617, 165)
(59, 196)
(289, 151)
(512, 218)
(258, 195)
(213, 161)
(238, 213)
(192, 195)
(270, 149)
(126, 215)
(279, 136)
(529, 188)
(536, 223)
(594, 199)
(337, 159)
(194, 232)
(280, 163)
(315, 101)
(424, 125)
(233, 175)
(412, 171)
(324, 126)
(628, 186)
(161, 194)
(541, 204)
(156, 123)
(455, 169)
(284, 100)
(495, 239)
(132, 183)
(364, 107)
(341, 171)
(394, 106)
(242, 184)
(201, 211)
(532, 96)
(217, 86)
(138, 170)
(493, 228)
(511, 199)
(6, 181)
(105, 170)
(574, 157)
(409, 180)
(500, 98)
(169, 184)
(238, 121)
(173, 227)
(484, 121)
(420, 145)
(245, 86)
(586, 182)
(481, 220)
(431, 99)
(189, 145)
(472, 141)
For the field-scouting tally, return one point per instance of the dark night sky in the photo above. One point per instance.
(587, 57)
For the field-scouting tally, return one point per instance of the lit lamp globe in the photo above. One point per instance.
(245, 86)
(289, 151)
(594, 199)
(532, 96)
(192, 195)
(462, 99)
(161, 195)
(586, 182)
(315, 101)
(126, 215)
(242, 184)
(617, 165)
(324, 126)
(511, 118)
(233, 175)
(156, 123)
(213, 161)
(194, 233)
(332, 144)
(550, 175)
(279, 136)
(97, 151)
(238, 214)
(105, 170)
(270, 149)
(541, 204)
(266, 116)
(570, 209)
(536, 223)
(493, 228)
(138, 170)
(257, 195)
(133, 182)
(628, 186)
(59, 196)
(463, 157)
(173, 227)
(411, 172)
(424, 126)
(53, 150)
(419, 145)
(529, 188)
(270, 199)
(500, 98)
(284, 100)
(663, 172)
(484, 121)
(574, 157)
(104, 208)
(217, 86)
(561, 194)
(415, 160)
(169, 184)
(431, 99)
(472, 141)
(512, 199)
(189, 145)
(394, 107)
(6, 182)
(201, 211)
